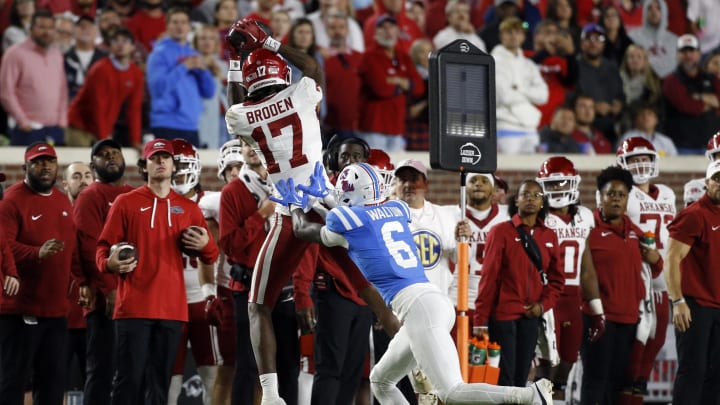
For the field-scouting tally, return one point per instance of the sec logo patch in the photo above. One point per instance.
(429, 248)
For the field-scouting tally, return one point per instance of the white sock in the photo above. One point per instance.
(208, 375)
(175, 389)
(269, 384)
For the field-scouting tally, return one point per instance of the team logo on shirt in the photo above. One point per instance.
(551, 222)
(175, 209)
(429, 248)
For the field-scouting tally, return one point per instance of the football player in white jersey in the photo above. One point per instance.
(651, 207)
(432, 225)
(376, 233)
(200, 288)
(481, 215)
(572, 223)
(279, 121)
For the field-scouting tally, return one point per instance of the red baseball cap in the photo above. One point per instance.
(157, 146)
(39, 149)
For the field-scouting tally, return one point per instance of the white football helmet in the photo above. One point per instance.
(359, 184)
(559, 180)
(187, 160)
(642, 172)
(230, 152)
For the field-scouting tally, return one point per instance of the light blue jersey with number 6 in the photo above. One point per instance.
(381, 244)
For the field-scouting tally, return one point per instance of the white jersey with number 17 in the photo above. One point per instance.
(284, 130)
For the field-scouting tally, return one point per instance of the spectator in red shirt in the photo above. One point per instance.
(342, 80)
(554, 53)
(264, 11)
(621, 289)
(113, 85)
(692, 99)
(694, 288)
(516, 289)
(408, 30)
(148, 23)
(226, 13)
(591, 140)
(388, 76)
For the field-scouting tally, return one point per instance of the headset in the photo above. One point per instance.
(333, 149)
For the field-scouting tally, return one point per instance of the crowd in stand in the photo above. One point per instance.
(571, 76)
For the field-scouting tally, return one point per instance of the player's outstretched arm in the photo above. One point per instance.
(306, 63)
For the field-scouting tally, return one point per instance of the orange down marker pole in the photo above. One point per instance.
(462, 302)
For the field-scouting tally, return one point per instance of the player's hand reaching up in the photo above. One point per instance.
(247, 35)
(288, 195)
(318, 186)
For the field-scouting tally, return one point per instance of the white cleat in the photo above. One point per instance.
(542, 392)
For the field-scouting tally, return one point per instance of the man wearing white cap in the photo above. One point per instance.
(694, 287)
(432, 225)
(693, 100)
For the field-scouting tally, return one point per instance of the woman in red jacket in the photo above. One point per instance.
(513, 293)
(617, 253)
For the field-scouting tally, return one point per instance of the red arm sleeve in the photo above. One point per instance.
(9, 226)
(240, 223)
(112, 233)
(677, 95)
(89, 222)
(556, 279)
(489, 286)
(8, 261)
(210, 252)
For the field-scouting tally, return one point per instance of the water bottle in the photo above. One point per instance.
(494, 354)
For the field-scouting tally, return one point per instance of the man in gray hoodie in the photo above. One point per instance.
(659, 43)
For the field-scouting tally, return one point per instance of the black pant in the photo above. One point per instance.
(287, 357)
(145, 348)
(38, 349)
(604, 362)
(99, 365)
(698, 349)
(517, 339)
(342, 336)
(76, 348)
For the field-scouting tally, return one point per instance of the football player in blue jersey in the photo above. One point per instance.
(376, 233)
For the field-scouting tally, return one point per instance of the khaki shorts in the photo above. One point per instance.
(78, 137)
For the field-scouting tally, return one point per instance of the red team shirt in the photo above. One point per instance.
(90, 211)
(242, 228)
(699, 226)
(618, 264)
(156, 288)
(520, 283)
(27, 221)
